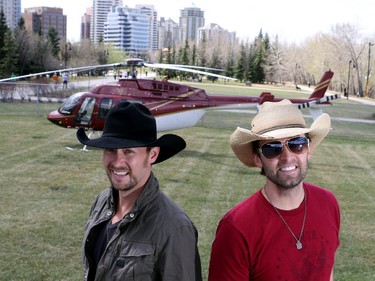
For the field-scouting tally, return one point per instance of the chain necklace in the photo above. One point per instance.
(298, 240)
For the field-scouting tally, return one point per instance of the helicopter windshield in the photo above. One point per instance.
(69, 105)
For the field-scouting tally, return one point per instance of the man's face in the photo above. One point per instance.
(288, 169)
(128, 169)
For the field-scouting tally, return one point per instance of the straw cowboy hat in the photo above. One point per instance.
(277, 120)
(132, 125)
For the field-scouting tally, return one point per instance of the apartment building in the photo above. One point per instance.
(12, 12)
(99, 12)
(42, 19)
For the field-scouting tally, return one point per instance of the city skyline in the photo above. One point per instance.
(275, 17)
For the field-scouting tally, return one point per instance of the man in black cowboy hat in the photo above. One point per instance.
(289, 229)
(134, 231)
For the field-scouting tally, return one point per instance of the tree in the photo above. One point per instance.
(230, 63)
(54, 41)
(22, 41)
(3, 31)
(259, 59)
(194, 55)
(240, 65)
(275, 69)
(202, 51)
(349, 36)
(9, 60)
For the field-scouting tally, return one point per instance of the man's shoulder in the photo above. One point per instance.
(247, 209)
(320, 193)
(317, 189)
(103, 196)
(172, 212)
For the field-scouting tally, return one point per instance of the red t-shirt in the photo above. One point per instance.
(253, 243)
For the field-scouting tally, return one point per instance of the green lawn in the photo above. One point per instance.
(46, 190)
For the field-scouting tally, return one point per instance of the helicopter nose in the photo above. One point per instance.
(55, 118)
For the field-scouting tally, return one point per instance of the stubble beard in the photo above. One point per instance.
(286, 183)
(133, 180)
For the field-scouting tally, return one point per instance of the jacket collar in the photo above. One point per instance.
(148, 195)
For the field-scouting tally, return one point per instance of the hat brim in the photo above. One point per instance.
(169, 144)
(242, 139)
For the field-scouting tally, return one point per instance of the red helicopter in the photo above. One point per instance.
(174, 105)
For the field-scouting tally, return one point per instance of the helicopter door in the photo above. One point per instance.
(105, 106)
(85, 112)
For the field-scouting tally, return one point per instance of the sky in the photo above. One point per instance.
(293, 21)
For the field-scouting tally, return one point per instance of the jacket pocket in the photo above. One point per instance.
(136, 261)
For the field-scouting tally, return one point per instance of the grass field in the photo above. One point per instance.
(46, 191)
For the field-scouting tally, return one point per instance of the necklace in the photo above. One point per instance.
(298, 240)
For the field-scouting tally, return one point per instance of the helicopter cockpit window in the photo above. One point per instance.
(85, 112)
(105, 106)
(70, 104)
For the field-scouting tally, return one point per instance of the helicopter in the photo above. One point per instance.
(174, 105)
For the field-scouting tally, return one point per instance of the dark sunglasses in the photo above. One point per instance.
(271, 150)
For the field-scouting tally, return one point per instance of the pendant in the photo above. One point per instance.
(299, 245)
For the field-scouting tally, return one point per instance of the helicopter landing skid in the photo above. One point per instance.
(89, 136)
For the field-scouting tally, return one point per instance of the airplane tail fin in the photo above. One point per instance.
(322, 86)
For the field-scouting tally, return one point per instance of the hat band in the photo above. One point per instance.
(280, 127)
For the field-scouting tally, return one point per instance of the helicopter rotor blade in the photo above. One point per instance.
(73, 69)
(186, 69)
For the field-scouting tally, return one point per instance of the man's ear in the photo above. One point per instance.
(309, 153)
(154, 153)
(257, 161)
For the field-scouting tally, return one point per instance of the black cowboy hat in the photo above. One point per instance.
(132, 125)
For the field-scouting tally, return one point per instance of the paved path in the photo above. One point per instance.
(363, 100)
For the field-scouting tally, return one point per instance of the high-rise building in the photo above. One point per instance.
(42, 19)
(128, 29)
(152, 15)
(100, 9)
(215, 33)
(168, 33)
(190, 20)
(85, 24)
(12, 11)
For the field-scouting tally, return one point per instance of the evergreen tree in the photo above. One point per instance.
(240, 66)
(215, 62)
(8, 62)
(202, 51)
(54, 41)
(230, 65)
(258, 64)
(3, 31)
(194, 55)
(185, 54)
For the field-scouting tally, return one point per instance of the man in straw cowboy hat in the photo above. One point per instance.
(134, 231)
(289, 229)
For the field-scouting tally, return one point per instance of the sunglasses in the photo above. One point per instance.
(271, 150)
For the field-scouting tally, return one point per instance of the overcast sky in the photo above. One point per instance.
(291, 20)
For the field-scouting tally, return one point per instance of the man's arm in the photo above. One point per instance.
(180, 258)
(228, 255)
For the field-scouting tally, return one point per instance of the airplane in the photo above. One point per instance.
(174, 105)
